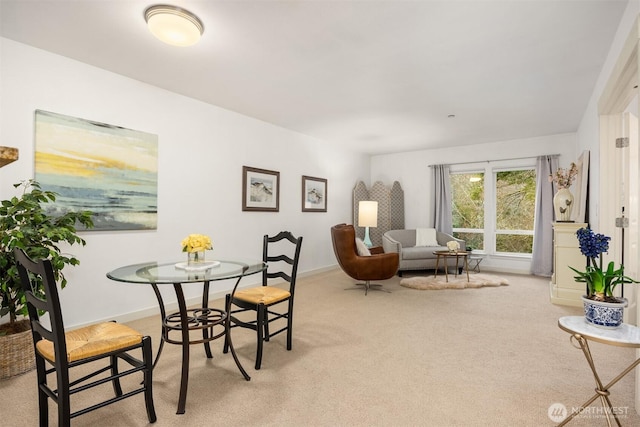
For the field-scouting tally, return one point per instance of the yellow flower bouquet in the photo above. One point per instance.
(196, 243)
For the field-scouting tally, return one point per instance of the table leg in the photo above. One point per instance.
(437, 265)
(184, 325)
(205, 331)
(163, 315)
(446, 269)
(228, 332)
(466, 266)
(457, 261)
(602, 392)
(476, 266)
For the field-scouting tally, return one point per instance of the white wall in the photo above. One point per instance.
(589, 133)
(411, 170)
(202, 149)
(589, 129)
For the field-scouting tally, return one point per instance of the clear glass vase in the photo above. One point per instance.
(195, 258)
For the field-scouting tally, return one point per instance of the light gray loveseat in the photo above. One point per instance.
(414, 257)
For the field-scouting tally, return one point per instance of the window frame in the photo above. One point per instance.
(490, 171)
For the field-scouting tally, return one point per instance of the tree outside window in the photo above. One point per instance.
(515, 209)
(496, 216)
(468, 208)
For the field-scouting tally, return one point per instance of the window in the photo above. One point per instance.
(468, 208)
(515, 207)
(494, 207)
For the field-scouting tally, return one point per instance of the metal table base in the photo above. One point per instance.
(177, 327)
(186, 320)
(581, 332)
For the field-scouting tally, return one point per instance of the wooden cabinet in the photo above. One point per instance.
(564, 289)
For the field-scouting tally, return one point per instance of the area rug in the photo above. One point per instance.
(434, 283)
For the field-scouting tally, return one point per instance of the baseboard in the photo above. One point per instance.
(505, 270)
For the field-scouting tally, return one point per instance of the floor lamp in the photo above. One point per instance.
(367, 217)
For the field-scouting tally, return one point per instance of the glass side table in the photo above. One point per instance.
(581, 333)
(474, 261)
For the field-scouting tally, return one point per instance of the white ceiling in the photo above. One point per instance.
(376, 76)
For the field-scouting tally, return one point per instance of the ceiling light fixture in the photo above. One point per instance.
(174, 25)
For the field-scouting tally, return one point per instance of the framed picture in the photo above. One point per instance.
(260, 190)
(314, 194)
(107, 169)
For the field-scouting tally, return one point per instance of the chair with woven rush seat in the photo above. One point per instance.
(64, 351)
(281, 264)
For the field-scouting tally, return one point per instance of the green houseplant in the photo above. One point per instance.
(601, 282)
(602, 307)
(25, 224)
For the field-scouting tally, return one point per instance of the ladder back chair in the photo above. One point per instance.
(58, 352)
(263, 299)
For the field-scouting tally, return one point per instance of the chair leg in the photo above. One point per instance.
(260, 330)
(356, 286)
(64, 404)
(368, 285)
(147, 357)
(43, 402)
(117, 389)
(265, 322)
(290, 325)
(43, 406)
(227, 304)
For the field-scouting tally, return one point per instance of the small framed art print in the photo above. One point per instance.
(314, 194)
(260, 190)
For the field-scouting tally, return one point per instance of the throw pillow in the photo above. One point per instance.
(362, 249)
(426, 237)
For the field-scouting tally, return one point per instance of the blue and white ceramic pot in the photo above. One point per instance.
(604, 314)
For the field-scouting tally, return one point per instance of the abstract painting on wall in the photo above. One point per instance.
(109, 170)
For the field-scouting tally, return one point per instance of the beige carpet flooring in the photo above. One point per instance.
(479, 357)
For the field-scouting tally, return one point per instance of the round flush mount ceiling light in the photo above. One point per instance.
(174, 25)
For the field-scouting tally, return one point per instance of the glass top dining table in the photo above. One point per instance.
(211, 322)
(177, 272)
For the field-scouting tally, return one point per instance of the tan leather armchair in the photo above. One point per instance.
(378, 266)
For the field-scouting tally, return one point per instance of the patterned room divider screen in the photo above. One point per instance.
(390, 208)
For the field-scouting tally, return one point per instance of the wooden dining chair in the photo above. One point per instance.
(65, 351)
(264, 299)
